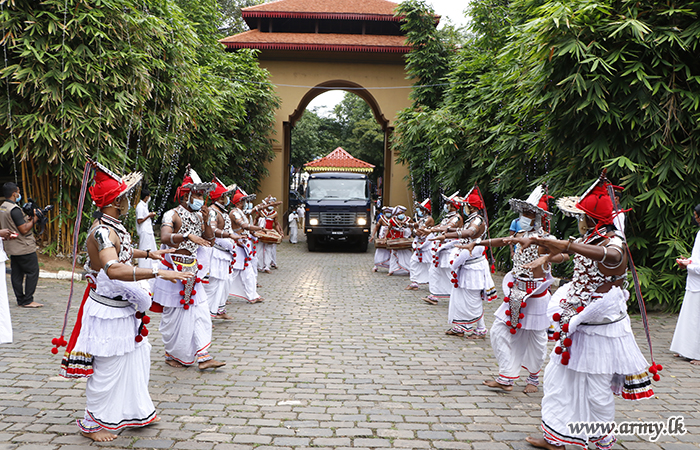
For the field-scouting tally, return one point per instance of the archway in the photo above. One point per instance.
(320, 89)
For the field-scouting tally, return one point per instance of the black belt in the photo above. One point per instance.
(115, 302)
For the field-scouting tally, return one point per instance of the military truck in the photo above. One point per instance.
(337, 209)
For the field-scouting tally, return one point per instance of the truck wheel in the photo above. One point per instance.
(311, 243)
(362, 248)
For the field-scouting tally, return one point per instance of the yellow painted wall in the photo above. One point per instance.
(311, 73)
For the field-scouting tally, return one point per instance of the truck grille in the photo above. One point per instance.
(337, 218)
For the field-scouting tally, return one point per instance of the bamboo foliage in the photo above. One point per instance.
(124, 81)
(556, 90)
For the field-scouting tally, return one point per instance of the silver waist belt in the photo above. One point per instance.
(112, 302)
(219, 247)
(474, 261)
(606, 322)
(524, 284)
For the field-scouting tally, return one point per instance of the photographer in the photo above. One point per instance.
(22, 250)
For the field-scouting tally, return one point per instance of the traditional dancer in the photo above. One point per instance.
(685, 339)
(439, 281)
(186, 322)
(399, 228)
(223, 253)
(379, 232)
(519, 332)
(5, 321)
(471, 277)
(245, 275)
(109, 344)
(420, 259)
(597, 355)
(267, 216)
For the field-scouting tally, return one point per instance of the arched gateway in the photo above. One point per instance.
(312, 46)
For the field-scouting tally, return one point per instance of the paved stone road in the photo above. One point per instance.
(337, 357)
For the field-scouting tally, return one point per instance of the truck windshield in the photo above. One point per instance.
(336, 188)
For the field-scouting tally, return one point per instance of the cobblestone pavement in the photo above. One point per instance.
(336, 357)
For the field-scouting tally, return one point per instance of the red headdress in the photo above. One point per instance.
(221, 189)
(108, 186)
(192, 182)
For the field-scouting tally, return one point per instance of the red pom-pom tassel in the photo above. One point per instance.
(656, 377)
(183, 301)
(138, 338)
(54, 350)
(565, 328)
(523, 305)
(510, 284)
(509, 323)
(556, 335)
(144, 331)
(186, 306)
(508, 312)
(519, 326)
(528, 291)
(512, 330)
(200, 267)
(556, 317)
(146, 319)
(557, 350)
(567, 342)
(521, 315)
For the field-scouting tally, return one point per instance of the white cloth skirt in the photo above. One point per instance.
(293, 235)
(217, 294)
(571, 396)
(399, 262)
(466, 306)
(117, 392)
(381, 258)
(265, 255)
(525, 348)
(186, 332)
(686, 338)
(244, 283)
(5, 321)
(420, 272)
(439, 281)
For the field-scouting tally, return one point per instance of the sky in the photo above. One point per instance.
(447, 9)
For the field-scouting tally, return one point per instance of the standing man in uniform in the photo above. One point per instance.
(22, 251)
(144, 227)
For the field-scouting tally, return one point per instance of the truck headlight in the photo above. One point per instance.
(362, 221)
(313, 221)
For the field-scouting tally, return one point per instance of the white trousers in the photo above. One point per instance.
(420, 272)
(244, 283)
(525, 348)
(686, 338)
(466, 309)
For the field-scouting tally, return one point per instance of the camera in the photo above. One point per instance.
(31, 208)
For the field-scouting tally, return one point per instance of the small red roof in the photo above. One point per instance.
(324, 9)
(317, 42)
(338, 160)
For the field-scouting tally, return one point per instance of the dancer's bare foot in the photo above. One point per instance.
(173, 363)
(211, 364)
(530, 389)
(223, 317)
(695, 362)
(541, 443)
(100, 436)
(677, 355)
(496, 384)
(156, 420)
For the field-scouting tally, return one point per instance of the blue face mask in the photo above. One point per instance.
(196, 204)
(388, 215)
(228, 201)
(19, 198)
(419, 213)
(446, 208)
(401, 216)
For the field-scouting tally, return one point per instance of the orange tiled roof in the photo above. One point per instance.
(324, 9)
(338, 159)
(317, 42)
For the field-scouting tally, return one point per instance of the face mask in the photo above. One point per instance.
(446, 208)
(419, 213)
(19, 198)
(583, 226)
(228, 201)
(402, 216)
(270, 208)
(525, 223)
(388, 215)
(196, 204)
(466, 210)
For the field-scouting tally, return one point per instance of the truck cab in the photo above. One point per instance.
(337, 209)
